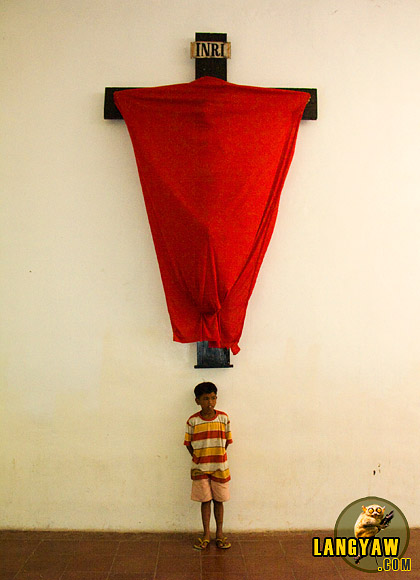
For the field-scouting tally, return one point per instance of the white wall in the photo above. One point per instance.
(325, 389)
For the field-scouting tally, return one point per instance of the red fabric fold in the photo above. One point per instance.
(212, 159)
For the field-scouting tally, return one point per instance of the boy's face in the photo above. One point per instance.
(207, 402)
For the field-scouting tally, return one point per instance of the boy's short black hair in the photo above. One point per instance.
(204, 389)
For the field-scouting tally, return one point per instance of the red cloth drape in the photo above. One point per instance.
(212, 159)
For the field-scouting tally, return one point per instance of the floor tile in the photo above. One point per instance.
(303, 568)
(177, 548)
(134, 564)
(7, 575)
(51, 565)
(145, 556)
(13, 555)
(264, 567)
(91, 563)
(57, 547)
(228, 575)
(178, 565)
(37, 576)
(11, 565)
(9, 547)
(262, 549)
(131, 576)
(96, 547)
(138, 547)
(177, 576)
(298, 547)
(407, 575)
(213, 565)
(84, 576)
(285, 573)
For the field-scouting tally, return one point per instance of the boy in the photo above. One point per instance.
(207, 438)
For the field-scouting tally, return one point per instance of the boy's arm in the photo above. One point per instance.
(189, 432)
(228, 435)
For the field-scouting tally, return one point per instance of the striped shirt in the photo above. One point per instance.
(208, 439)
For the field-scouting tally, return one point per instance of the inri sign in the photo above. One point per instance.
(204, 49)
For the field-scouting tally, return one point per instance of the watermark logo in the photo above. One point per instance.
(371, 535)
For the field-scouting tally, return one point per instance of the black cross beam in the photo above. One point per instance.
(212, 63)
(210, 67)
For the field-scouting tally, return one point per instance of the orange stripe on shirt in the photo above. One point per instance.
(210, 459)
(209, 435)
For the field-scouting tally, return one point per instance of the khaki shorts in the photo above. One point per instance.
(206, 490)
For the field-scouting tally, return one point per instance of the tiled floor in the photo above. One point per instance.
(141, 556)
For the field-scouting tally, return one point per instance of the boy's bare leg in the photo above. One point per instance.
(218, 516)
(205, 516)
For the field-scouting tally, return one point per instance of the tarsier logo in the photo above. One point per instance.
(371, 534)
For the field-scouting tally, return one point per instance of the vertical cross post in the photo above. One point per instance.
(208, 66)
(211, 67)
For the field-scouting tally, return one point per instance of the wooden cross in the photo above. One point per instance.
(211, 51)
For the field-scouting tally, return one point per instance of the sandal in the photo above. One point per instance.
(223, 543)
(201, 544)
